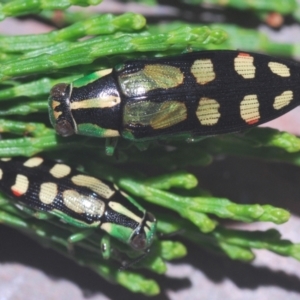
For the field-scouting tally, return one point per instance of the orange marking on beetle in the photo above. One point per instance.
(243, 54)
(16, 192)
(252, 121)
(21, 185)
(249, 109)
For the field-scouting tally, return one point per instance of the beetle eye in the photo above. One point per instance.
(64, 128)
(58, 91)
(138, 242)
(150, 217)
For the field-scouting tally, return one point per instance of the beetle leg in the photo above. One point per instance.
(195, 138)
(142, 146)
(110, 145)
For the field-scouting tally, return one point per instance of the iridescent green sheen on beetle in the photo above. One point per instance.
(190, 95)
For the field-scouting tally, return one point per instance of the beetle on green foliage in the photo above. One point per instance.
(77, 199)
(189, 96)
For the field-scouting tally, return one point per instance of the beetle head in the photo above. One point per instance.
(59, 109)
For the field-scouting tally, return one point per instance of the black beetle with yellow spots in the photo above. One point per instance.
(78, 199)
(190, 95)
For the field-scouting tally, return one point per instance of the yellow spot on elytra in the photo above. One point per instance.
(208, 111)
(60, 170)
(1, 174)
(249, 109)
(21, 185)
(243, 65)
(203, 71)
(105, 101)
(283, 100)
(81, 203)
(71, 200)
(124, 211)
(33, 162)
(94, 184)
(48, 192)
(279, 69)
(5, 158)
